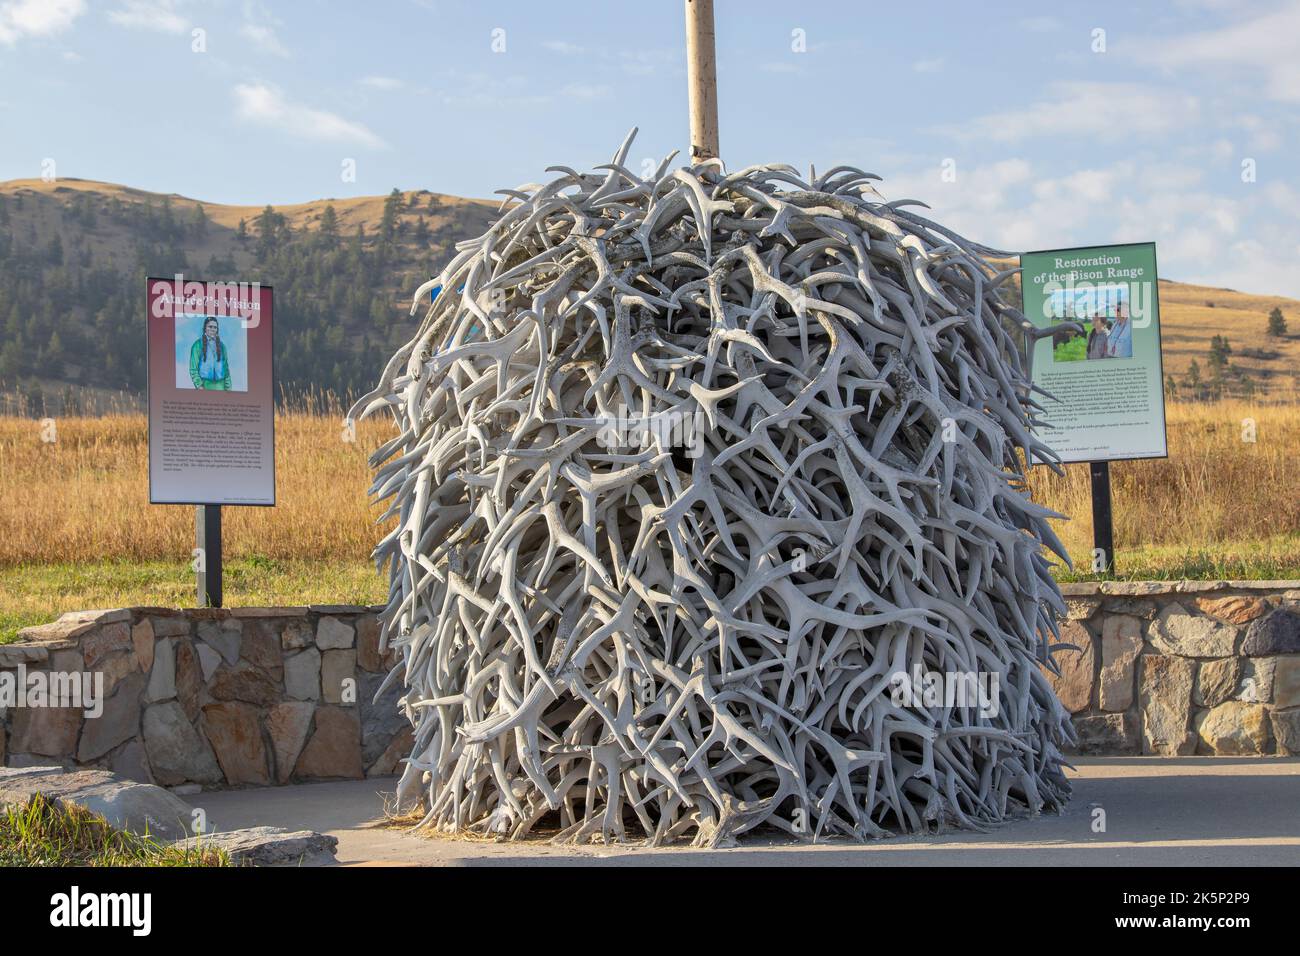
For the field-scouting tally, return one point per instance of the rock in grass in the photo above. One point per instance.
(269, 846)
(138, 808)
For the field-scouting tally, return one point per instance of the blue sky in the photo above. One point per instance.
(1019, 123)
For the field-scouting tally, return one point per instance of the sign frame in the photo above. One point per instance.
(150, 282)
(1045, 432)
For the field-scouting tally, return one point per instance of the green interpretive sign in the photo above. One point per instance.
(1105, 380)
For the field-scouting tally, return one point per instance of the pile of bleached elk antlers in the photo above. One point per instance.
(690, 469)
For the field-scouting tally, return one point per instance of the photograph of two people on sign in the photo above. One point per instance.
(211, 353)
(1104, 313)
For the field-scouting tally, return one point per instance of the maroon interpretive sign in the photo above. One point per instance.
(211, 393)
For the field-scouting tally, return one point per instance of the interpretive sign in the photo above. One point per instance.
(1106, 381)
(211, 393)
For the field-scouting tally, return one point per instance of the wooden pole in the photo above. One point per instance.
(701, 80)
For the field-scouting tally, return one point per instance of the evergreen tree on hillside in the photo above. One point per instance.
(329, 228)
(1219, 352)
(1276, 323)
(268, 226)
(388, 223)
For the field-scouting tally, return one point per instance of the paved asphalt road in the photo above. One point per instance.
(1183, 811)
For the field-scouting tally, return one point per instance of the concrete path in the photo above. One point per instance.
(1184, 811)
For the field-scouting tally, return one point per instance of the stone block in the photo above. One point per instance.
(381, 720)
(1165, 701)
(177, 753)
(1216, 681)
(333, 634)
(288, 723)
(246, 683)
(1074, 685)
(1233, 610)
(1121, 644)
(170, 625)
(1104, 734)
(46, 731)
(1179, 632)
(117, 723)
(1234, 729)
(189, 677)
(107, 639)
(261, 648)
(1277, 632)
(162, 676)
(302, 675)
(235, 733)
(224, 637)
(142, 640)
(1286, 682)
(336, 669)
(1286, 729)
(334, 749)
(296, 635)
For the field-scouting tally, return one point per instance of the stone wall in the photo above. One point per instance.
(256, 696)
(209, 698)
(1188, 667)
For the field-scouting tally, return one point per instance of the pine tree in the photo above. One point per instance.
(388, 224)
(1276, 323)
(329, 228)
(268, 229)
(1219, 352)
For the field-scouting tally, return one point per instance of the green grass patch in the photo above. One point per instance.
(44, 832)
(1270, 559)
(37, 593)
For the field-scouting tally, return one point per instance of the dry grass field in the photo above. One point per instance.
(1220, 506)
(77, 529)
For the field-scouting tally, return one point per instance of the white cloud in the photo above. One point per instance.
(1101, 110)
(1265, 44)
(563, 47)
(264, 38)
(1242, 238)
(381, 82)
(157, 15)
(37, 18)
(259, 28)
(265, 105)
(928, 66)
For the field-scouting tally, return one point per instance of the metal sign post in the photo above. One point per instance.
(1103, 528)
(207, 564)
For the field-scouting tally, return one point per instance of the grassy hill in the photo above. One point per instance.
(1194, 314)
(74, 253)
